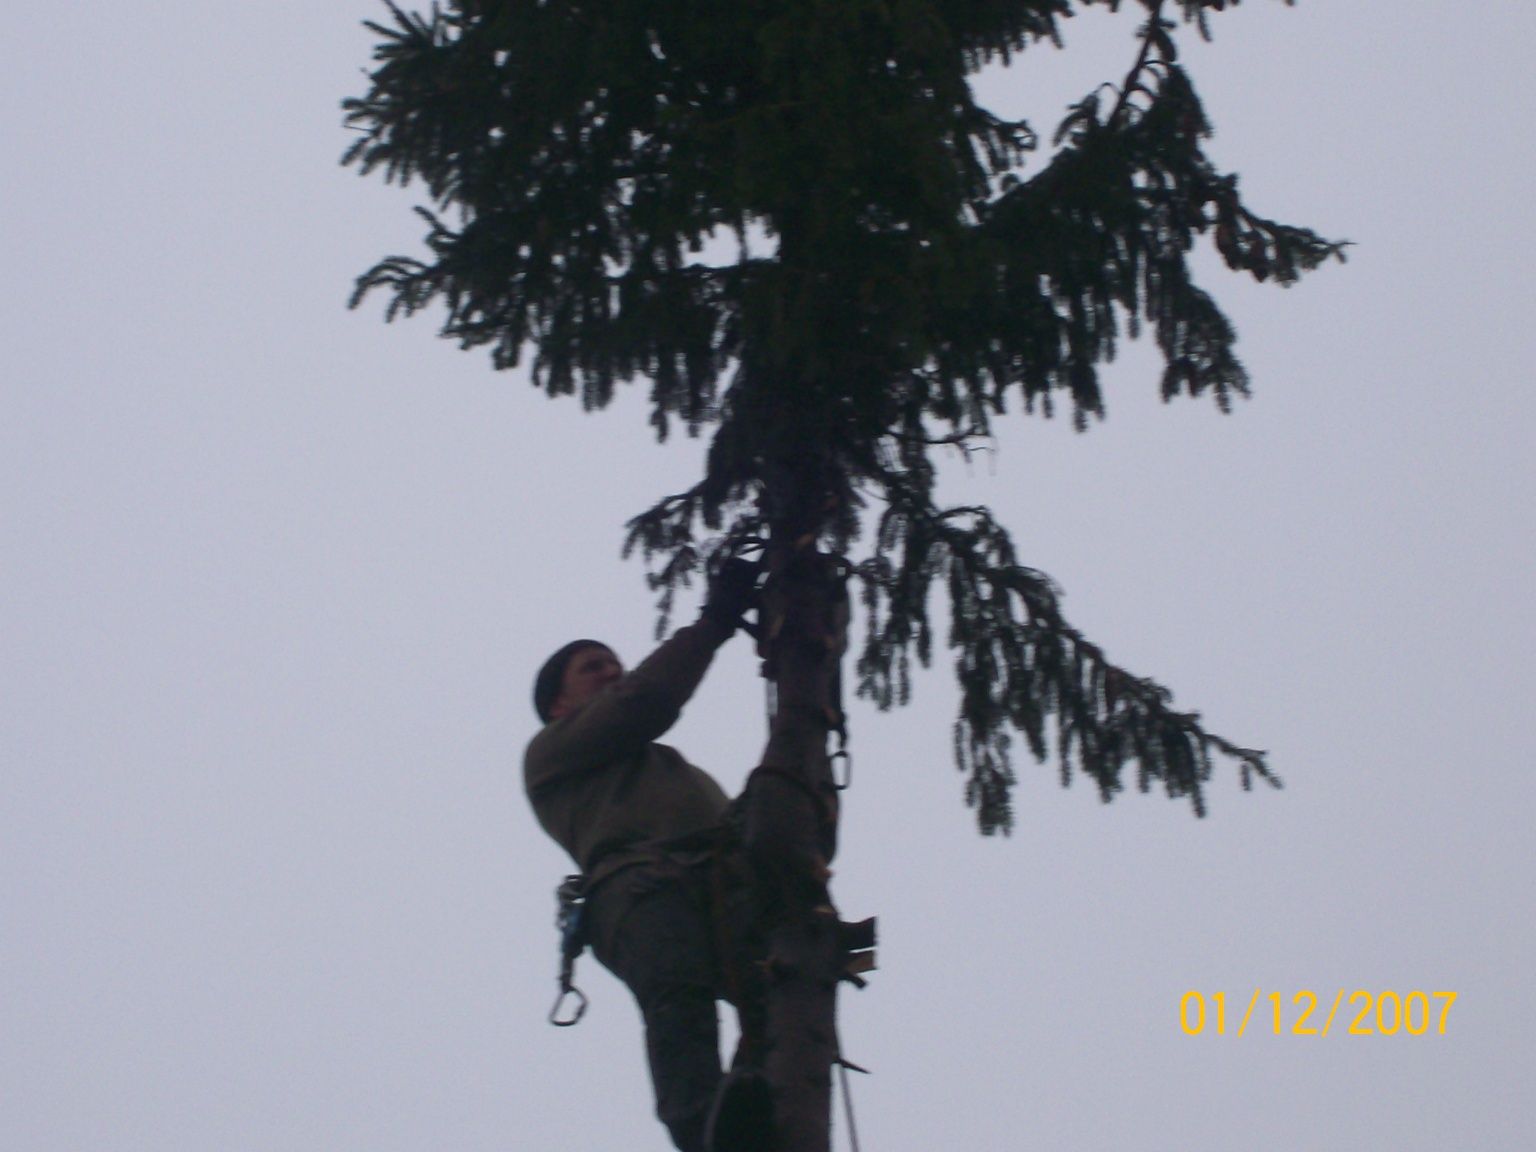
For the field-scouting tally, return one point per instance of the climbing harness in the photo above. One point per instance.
(710, 851)
(571, 920)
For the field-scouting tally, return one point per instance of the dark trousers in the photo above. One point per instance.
(660, 931)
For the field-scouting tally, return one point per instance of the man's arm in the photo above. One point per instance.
(620, 721)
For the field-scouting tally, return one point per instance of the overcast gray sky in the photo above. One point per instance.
(276, 579)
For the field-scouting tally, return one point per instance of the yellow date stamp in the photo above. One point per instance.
(1364, 1013)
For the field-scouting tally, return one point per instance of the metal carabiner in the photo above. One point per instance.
(581, 1006)
(847, 781)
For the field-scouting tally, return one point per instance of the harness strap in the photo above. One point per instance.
(818, 795)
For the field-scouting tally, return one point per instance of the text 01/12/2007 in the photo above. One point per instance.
(1366, 1013)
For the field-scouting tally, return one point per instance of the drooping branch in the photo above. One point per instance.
(1021, 666)
(1102, 235)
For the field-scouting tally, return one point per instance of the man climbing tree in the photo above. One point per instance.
(664, 903)
(901, 272)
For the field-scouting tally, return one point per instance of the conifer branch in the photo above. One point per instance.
(1021, 667)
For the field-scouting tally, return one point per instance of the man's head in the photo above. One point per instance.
(572, 676)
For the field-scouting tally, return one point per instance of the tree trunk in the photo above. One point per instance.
(791, 834)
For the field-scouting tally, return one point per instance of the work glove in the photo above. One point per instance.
(732, 592)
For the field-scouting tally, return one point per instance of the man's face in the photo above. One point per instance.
(586, 674)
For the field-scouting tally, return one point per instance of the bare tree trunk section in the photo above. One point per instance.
(791, 837)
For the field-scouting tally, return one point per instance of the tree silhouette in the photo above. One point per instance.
(900, 266)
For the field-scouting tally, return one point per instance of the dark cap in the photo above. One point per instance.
(546, 685)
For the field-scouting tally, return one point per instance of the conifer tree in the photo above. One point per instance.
(904, 264)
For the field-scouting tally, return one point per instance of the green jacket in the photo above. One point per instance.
(598, 782)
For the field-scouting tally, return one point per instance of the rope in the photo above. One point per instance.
(842, 1074)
